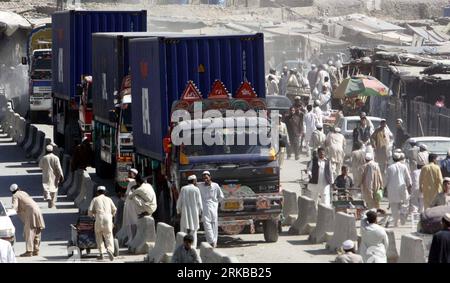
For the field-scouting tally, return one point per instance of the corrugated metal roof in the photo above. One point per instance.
(362, 22)
(430, 35)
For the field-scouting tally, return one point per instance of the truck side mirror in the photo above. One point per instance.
(112, 116)
(24, 61)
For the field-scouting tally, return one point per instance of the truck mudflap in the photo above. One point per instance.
(236, 224)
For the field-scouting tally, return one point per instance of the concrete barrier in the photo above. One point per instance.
(165, 243)
(37, 148)
(145, 235)
(26, 135)
(392, 253)
(307, 213)
(85, 182)
(7, 126)
(76, 184)
(344, 229)
(22, 126)
(210, 255)
(86, 201)
(15, 127)
(325, 223)
(179, 239)
(65, 164)
(290, 207)
(32, 140)
(411, 250)
(67, 184)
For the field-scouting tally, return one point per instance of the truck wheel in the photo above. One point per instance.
(271, 230)
(116, 247)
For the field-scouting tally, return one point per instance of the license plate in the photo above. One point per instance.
(232, 205)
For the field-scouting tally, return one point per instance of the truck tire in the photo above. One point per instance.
(271, 230)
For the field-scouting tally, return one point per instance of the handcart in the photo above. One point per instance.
(343, 201)
(83, 236)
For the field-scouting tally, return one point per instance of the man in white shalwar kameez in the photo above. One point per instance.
(52, 175)
(103, 208)
(316, 110)
(416, 198)
(190, 206)
(130, 214)
(310, 119)
(398, 181)
(211, 196)
(335, 145)
(374, 239)
(6, 252)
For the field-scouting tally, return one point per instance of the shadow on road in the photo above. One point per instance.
(12, 153)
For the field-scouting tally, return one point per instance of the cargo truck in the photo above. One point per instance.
(220, 72)
(106, 101)
(72, 62)
(39, 60)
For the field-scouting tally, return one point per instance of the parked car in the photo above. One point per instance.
(7, 229)
(436, 145)
(349, 123)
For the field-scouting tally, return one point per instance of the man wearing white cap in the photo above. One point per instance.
(398, 182)
(211, 196)
(443, 198)
(422, 156)
(144, 198)
(440, 245)
(309, 120)
(380, 140)
(103, 208)
(189, 205)
(31, 216)
(52, 175)
(349, 255)
(430, 180)
(335, 145)
(371, 182)
(317, 138)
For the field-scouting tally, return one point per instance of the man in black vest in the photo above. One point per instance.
(320, 177)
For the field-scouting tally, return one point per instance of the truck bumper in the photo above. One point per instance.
(40, 104)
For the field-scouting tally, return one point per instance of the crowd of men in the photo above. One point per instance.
(412, 181)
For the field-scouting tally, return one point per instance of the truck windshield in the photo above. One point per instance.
(42, 69)
(247, 148)
(42, 64)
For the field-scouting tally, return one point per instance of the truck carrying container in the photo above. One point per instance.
(220, 73)
(108, 95)
(72, 60)
(162, 67)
